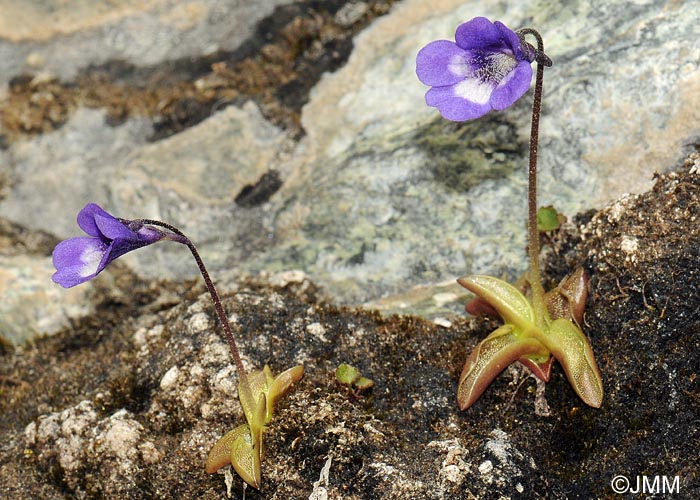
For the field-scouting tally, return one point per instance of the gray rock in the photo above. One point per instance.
(381, 195)
(188, 180)
(57, 173)
(60, 38)
(32, 305)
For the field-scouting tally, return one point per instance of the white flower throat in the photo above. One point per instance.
(91, 258)
(482, 73)
(495, 67)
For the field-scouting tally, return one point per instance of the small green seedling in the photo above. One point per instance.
(548, 219)
(351, 377)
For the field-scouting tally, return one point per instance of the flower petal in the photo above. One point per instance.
(480, 34)
(473, 90)
(86, 218)
(78, 260)
(453, 106)
(133, 241)
(442, 63)
(112, 228)
(511, 40)
(116, 249)
(512, 87)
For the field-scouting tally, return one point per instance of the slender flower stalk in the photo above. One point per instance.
(179, 237)
(536, 289)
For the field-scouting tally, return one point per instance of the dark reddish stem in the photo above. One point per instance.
(535, 278)
(180, 237)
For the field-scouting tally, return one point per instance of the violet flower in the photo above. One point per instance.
(487, 68)
(80, 259)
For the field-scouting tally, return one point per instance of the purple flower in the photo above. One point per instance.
(488, 68)
(80, 259)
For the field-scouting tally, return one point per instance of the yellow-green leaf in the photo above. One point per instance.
(364, 383)
(507, 300)
(281, 385)
(246, 460)
(490, 357)
(220, 454)
(573, 351)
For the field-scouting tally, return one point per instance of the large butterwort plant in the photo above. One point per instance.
(488, 67)
(82, 258)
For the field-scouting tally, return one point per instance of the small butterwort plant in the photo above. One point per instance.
(82, 258)
(488, 67)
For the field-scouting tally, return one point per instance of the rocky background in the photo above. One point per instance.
(290, 139)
